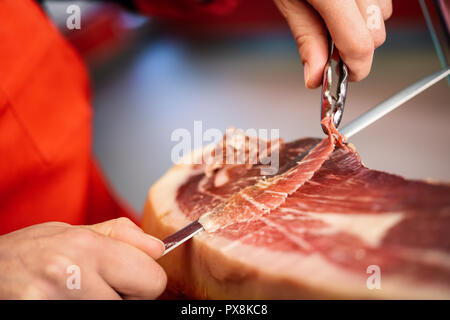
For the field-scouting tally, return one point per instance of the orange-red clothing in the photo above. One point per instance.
(47, 171)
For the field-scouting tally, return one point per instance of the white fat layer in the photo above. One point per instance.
(314, 271)
(297, 240)
(221, 178)
(259, 205)
(310, 271)
(371, 228)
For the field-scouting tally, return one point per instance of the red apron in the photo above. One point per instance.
(47, 171)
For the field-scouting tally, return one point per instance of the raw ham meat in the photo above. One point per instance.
(268, 194)
(323, 229)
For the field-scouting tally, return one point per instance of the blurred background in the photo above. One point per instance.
(151, 76)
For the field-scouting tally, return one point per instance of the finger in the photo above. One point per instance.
(311, 37)
(386, 8)
(93, 288)
(352, 38)
(123, 229)
(373, 15)
(129, 271)
(77, 282)
(99, 290)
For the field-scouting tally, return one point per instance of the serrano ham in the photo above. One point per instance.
(327, 228)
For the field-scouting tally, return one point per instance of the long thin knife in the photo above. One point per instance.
(349, 130)
(393, 102)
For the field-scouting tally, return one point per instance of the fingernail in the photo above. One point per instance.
(306, 71)
(156, 239)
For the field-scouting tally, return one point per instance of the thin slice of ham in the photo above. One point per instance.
(323, 229)
(268, 194)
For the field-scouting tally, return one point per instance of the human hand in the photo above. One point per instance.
(115, 260)
(356, 26)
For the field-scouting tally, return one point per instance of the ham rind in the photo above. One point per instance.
(320, 237)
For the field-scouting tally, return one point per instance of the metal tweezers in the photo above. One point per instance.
(332, 103)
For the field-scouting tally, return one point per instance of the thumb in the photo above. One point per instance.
(310, 35)
(124, 230)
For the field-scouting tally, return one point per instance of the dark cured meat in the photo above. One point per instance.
(406, 224)
(268, 194)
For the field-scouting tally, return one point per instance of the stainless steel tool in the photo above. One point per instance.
(349, 130)
(393, 102)
(334, 87)
(181, 236)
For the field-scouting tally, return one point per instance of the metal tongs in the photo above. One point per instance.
(333, 96)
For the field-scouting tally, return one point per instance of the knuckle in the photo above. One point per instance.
(118, 225)
(53, 224)
(83, 238)
(360, 74)
(388, 13)
(302, 40)
(361, 48)
(307, 44)
(33, 291)
(123, 221)
(387, 10)
(55, 268)
(379, 39)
